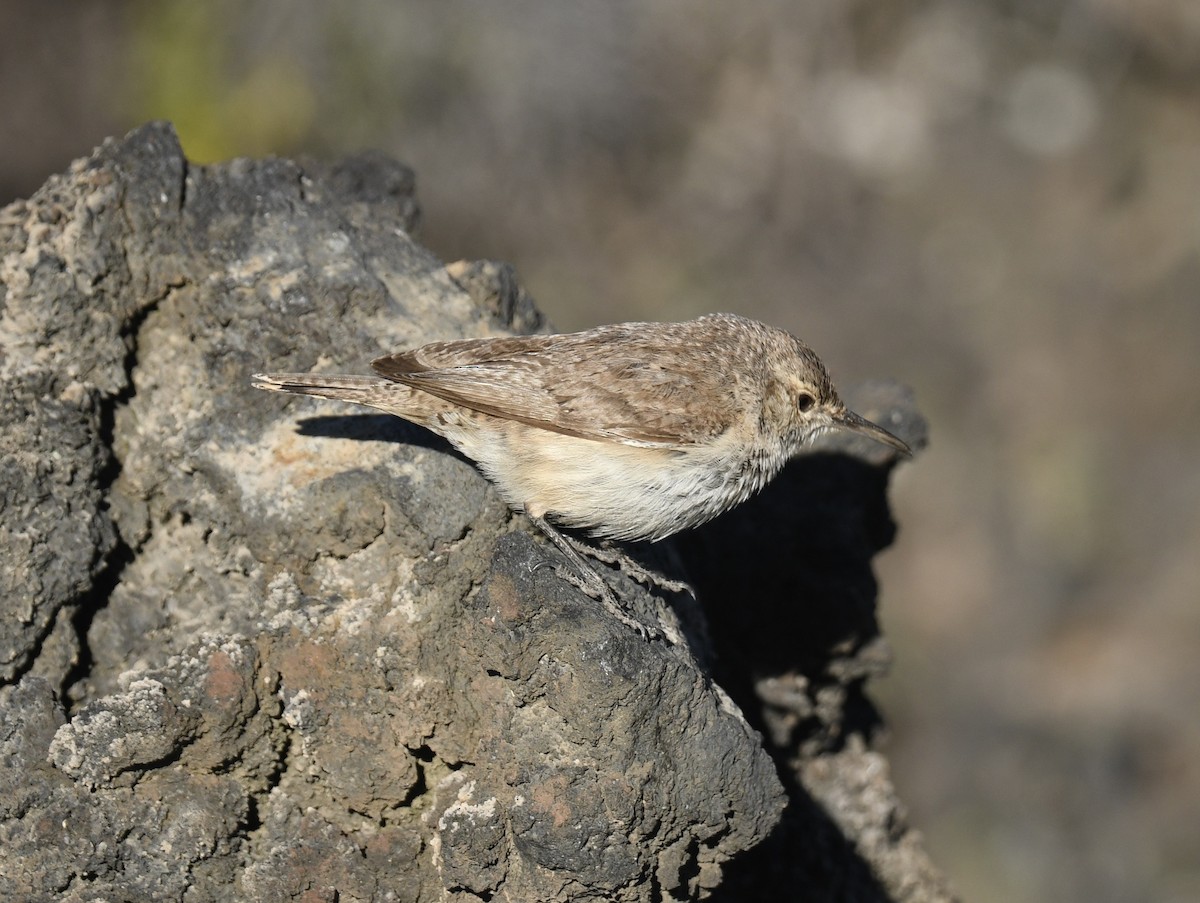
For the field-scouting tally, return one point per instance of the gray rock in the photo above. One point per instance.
(261, 648)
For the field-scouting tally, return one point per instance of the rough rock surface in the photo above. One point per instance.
(264, 649)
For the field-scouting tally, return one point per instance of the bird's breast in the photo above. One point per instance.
(612, 489)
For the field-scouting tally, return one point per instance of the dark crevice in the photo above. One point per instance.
(184, 170)
(424, 756)
(142, 769)
(108, 575)
(689, 870)
(253, 820)
(90, 604)
(469, 892)
(249, 826)
(656, 893)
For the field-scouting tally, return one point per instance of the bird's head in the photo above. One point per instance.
(806, 404)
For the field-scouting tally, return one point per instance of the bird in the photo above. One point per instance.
(628, 432)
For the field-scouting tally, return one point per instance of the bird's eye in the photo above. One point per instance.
(804, 402)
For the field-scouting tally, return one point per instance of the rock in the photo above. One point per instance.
(261, 648)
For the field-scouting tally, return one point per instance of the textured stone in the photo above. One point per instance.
(258, 648)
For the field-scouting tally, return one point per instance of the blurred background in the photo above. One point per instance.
(996, 202)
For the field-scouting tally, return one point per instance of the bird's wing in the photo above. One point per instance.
(639, 384)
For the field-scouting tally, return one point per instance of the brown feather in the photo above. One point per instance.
(625, 383)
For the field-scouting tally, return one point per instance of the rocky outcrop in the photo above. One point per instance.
(263, 649)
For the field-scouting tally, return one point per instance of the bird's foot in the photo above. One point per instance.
(611, 554)
(584, 577)
(592, 585)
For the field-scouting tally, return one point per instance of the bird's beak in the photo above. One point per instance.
(848, 420)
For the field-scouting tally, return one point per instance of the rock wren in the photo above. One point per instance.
(631, 432)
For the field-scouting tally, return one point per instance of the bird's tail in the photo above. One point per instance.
(368, 390)
(323, 384)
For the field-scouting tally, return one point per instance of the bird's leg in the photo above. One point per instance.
(611, 554)
(589, 581)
